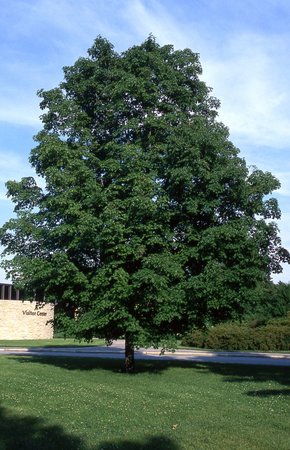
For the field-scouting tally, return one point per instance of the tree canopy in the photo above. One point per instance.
(147, 220)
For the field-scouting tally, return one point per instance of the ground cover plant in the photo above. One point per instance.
(71, 403)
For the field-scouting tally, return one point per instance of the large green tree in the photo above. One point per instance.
(149, 221)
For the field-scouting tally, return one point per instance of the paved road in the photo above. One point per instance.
(116, 351)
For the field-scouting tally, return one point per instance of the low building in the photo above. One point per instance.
(24, 319)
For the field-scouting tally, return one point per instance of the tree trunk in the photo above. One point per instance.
(129, 353)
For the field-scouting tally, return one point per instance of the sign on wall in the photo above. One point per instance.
(26, 320)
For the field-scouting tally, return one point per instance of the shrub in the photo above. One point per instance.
(229, 336)
(271, 337)
(232, 336)
(196, 338)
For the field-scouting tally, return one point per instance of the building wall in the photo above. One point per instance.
(25, 320)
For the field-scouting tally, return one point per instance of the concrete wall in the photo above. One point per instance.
(25, 320)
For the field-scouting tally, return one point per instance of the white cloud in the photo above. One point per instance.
(34, 50)
(11, 163)
(25, 111)
(255, 92)
(284, 178)
(154, 17)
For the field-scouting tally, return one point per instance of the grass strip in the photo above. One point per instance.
(56, 342)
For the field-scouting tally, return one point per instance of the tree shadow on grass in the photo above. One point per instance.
(240, 373)
(32, 433)
(236, 373)
(112, 365)
(150, 443)
(269, 393)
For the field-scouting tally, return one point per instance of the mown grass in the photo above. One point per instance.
(89, 404)
(56, 342)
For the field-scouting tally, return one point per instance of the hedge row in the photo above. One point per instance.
(241, 337)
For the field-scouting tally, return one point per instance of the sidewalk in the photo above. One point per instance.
(116, 350)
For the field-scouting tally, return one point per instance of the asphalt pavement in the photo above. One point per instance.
(116, 351)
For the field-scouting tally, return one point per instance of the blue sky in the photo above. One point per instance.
(243, 46)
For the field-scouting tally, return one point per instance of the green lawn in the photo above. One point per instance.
(56, 342)
(73, 403)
